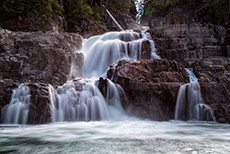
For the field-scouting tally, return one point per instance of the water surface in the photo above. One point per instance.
(127, 136)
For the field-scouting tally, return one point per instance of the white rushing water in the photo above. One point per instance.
(16, 112)
(140, 4)
(102, 51)
(126, 137)
(190, 105)
(83, 101)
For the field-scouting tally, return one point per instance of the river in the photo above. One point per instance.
(126, 136)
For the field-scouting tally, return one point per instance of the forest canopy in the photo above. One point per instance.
(73, 10)
(209, 11)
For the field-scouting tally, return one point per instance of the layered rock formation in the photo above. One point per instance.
(203, 47)
(150, 86)
(183, 41)
(37, 56)
(38, 59)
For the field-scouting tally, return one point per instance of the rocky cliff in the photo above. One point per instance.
(150, 86)
(38, 59)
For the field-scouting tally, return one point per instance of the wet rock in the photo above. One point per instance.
(218, 97)
(151, 86)
(6, 88)
(39, 110)
(37, 56)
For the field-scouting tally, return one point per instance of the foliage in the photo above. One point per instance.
(121, 5)
(216, 11)
(73, 10)
(23, 8)
(76, 10)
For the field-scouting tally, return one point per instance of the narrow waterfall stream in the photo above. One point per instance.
(16, 112)
(190, 105)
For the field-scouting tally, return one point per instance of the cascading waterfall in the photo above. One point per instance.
(83, 99)
(102, 51)
(17, 111)
(190, 105)
(78, 102)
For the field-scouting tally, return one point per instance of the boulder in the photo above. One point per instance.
(151, 86)
(39, 110)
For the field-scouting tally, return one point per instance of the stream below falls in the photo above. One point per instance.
(126, 136)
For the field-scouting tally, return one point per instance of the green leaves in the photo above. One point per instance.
(40, 8)
(209, 11)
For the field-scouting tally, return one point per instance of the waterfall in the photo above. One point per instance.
(140, 4)
(102, 51)
(78, 102)
(16, 112)
(90, 98)
(190, 105)
(81, 100)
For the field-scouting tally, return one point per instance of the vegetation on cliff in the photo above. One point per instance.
(206, 11)
(32, 14)
(27, 14)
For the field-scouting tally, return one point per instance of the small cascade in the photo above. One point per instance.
(140, 9)
(17, 111)
(83, 101)
(112, 94)
(147, 35)
(190, 105)
(102, 51)
(80, 101)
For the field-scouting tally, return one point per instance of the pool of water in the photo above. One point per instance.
(125, 136)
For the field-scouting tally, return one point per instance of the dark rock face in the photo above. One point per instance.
(218, 97)
(39, 110)
(37, 56)
(87, 28)
(182, 41)
(38, 59)
(6, 88)
(214, 78)
(125, 21)
(204, 49)
(151, 86)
